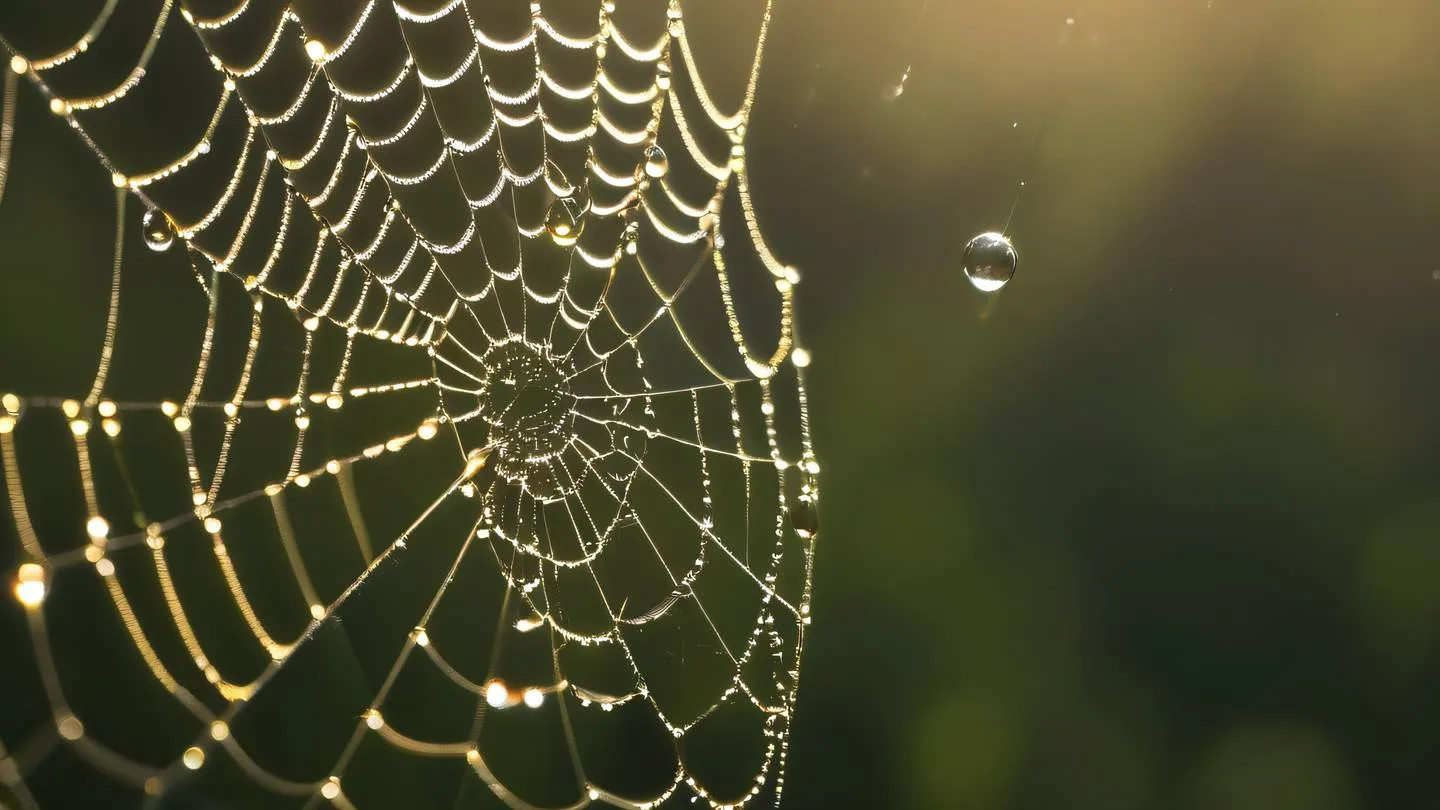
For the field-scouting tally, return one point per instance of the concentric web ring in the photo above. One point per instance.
(440, 450)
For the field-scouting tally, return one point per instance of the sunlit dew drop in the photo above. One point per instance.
(564, 221)
(804, 511)
(159, 235)
(657, 165)
(30, 585)
(990, 261)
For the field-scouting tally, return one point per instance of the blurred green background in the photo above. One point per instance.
(1159, 525)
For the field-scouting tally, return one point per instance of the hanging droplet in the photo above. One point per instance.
(159, 234)
(805, 518)
(805, 513)
(990, 261)
(564, 221)
(657, 165)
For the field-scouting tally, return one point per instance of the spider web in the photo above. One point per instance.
(439, 451)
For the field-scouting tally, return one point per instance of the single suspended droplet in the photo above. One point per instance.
(805, 517)
(990, 261)
(564, 221)
(159, 235)
(805, 512)
(657, 165)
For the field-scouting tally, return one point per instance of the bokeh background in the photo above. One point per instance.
(1158, 525)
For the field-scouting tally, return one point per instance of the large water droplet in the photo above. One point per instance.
(990, 261)
(805, 511)
(565, 221)
(657, 165)
(159, 235)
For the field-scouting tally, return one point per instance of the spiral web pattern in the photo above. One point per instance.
(441, 451)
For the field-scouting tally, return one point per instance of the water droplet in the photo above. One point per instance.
(657, 165)
(159, 234)
(565, 221)
(805, 514)
(990, 261)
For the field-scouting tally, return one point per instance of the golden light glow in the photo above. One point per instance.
(315, 49)
(97, 527)
(107, 409)
(193, 758)
(534, 698)
(19, 64)
(331, 788)
(496, 694)
(475, 462)
(219, 730)
(30, 585)
(70, 727)
(374, 720)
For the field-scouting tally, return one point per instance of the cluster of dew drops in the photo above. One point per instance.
(565, 220)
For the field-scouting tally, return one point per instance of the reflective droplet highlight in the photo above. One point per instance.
(565, 221)
(657, 165)
(159, 235)
(990, 261)
(805, 512)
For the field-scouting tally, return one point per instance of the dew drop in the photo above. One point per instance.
(657, 165)
(564, 221)
(805, 514)
(159, 235)
(990, 261)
